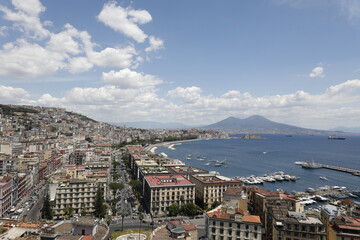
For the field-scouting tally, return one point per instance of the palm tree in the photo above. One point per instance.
(123, 213)
(141, 217)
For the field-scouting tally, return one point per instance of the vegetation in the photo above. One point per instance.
(190, 209)
(123, 214)
(215, 204)
(68, 212)
(82, 117)
(46, 211)
(100, 207)
(116, 176)
(10, 110)
(173, 209)
(114, 186)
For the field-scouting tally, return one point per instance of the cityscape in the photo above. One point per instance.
(191, 120)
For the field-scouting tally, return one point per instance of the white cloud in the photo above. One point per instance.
(317, 72)
(12, 95)
(3, 31)
(188, 95)
(130, 79)
(125, 20)
(155, 44)
(26, 18)
(114, 57)
(24, 59)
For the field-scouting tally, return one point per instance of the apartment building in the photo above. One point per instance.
(344, 228)
(229, 222)
(77, 194)
(211, 187)
(6, 188)
(289, 225)
(160, 191)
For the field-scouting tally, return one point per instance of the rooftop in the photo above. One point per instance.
(167, 180)
(212, 178)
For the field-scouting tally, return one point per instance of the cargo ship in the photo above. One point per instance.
(336, 138)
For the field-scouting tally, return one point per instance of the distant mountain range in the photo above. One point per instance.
(259, 124)
(251, 125)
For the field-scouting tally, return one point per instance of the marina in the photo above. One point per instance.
(272, 177)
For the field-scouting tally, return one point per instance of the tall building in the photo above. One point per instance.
(160, 191)
(211, 187)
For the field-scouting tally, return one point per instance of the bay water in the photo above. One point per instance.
(276, 153)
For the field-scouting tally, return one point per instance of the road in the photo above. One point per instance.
(130, 223)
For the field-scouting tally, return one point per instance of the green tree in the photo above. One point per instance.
(215, 204)
(123, 214)
(68, 212)
(114, 186)
(46, 211)
(173, 209)
(116, 176)
(190, 209)
(100, 207)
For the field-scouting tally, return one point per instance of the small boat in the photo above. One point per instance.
(207, 164)
(323, 178)
(217, 164)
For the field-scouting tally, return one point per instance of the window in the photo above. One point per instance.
(221, 231)
(221, 224)
(247, 227)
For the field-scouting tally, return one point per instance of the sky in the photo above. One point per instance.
(192, 62)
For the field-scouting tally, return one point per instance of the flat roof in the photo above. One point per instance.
(211, 178)
(167, 180)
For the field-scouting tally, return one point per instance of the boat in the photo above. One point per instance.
(207, 164)
(323, 178)
(311, 165)
(321, 198)
(336, 138)
(217, 164)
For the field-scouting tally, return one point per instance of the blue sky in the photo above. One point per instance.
(195, 62)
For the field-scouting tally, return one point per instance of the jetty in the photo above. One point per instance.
(336, 168)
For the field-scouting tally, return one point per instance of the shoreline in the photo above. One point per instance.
(152, 148)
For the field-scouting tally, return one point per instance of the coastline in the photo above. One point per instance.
(152, 148)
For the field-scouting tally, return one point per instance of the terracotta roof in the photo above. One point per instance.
(167, 180)
(251, 218)
(234, 191)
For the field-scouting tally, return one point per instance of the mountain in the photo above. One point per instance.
(259, 124)
(153, 125)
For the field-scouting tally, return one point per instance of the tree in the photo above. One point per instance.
(190, 209)
(215, 204)
(114, 186)
(100, 207)
(123, 214)
(116, 176)
(173, 209)
(68, 212)
(46, 211)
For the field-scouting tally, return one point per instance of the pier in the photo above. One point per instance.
(336, 168)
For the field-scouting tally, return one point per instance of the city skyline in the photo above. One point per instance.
(181, 61)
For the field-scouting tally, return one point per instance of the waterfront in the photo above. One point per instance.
(277, 153)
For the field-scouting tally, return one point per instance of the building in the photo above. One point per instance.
(75, 193)
(160, 191)
(344, 228)
(186, 171)
(289, 225)
(6, 188)
(211, 187)
(230, 222)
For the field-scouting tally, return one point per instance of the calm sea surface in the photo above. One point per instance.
(277, 153)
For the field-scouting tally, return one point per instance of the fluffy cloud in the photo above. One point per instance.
(155, 44)
(27, 17)
(130, 79)
(125, 20)
(188, 95)
(24, 59)
(12, 95)
(317, 72)
(114, 57)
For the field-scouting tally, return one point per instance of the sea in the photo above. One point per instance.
(276, 153)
